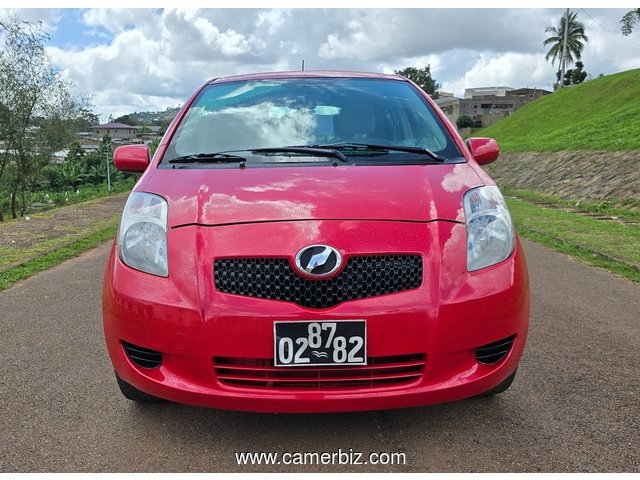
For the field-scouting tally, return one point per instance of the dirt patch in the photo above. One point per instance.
(36, 234)
(61, 221)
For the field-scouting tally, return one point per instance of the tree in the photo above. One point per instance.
(164, 125)
(85, 121)
(106, 145)
(576, 75)
(37, 108)
(628, 20)
(127, 119)
(76, 153)
(576, 39)
(464, 121)
(422, 77)
(153, 146)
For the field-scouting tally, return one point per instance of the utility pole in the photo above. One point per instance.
(303, 64)
(108, 161)
(564, 47)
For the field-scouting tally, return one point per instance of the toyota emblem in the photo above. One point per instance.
(318, 260)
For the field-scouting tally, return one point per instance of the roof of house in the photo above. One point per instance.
(447, 100)
(529, 89)
(114, 125)
(480, 89)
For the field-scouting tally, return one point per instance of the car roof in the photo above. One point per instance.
(307, 74)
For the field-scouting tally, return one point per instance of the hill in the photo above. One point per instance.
(161, 117)
(602, 114)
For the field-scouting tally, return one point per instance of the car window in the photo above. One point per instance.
(274, 113)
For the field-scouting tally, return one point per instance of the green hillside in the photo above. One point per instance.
(602, 114)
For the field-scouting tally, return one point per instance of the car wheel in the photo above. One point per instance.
(502, 387)
(132, 393)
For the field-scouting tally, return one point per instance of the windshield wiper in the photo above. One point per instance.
(381, 148)
(318, 150)
(218, 157)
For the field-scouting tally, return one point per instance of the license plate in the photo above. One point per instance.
(342, 342)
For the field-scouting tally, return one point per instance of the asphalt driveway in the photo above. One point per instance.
(575, 405)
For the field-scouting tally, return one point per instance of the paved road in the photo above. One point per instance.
(574, 407)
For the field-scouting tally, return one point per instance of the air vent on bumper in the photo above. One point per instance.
(143, 357)
(261, 373)
(494, 352)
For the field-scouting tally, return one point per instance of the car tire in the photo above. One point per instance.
(502, 387)
(132, 393)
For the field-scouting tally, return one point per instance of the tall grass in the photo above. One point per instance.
(601, 114)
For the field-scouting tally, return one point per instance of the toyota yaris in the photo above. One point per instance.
(314, 242)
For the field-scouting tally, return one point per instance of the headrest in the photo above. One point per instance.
(354, 121)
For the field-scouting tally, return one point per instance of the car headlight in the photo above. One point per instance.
(142, 238)
(490, 235)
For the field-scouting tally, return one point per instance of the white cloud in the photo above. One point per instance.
(156, 58)
(115, 20)
(508, 69)
(434, 62)
(608, 51)
(272, 19)
(47, 16)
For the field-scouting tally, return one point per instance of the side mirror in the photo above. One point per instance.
(484, 150)
(132, 158)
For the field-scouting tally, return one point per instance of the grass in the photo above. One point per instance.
(43, 262)
(71, 196)
(43, 244)
(623, 209)
(606, 244)
(51, 237)
(602, 114)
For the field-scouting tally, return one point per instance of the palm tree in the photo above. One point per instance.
(631, 17)
(576, 39)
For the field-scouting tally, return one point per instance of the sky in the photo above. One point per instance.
(130, 60)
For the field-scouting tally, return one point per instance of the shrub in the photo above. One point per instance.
(464, 121)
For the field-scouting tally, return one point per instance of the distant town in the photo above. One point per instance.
(135, 128)
(483, 105)
(486, 105)
(79, 161)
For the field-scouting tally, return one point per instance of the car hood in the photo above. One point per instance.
(229, 196)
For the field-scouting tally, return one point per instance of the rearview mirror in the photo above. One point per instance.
(132, 158)
(484, 150)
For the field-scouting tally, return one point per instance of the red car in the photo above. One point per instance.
(314, 242)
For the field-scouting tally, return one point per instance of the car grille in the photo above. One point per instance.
(494, 352)
(275, 279)
(261, 373)
(144, 357)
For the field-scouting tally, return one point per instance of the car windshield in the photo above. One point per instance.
(245, 116)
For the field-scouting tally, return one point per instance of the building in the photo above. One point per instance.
(450, 106)
(530, 93)
(117, 131)
(487, 105)
(486, 92)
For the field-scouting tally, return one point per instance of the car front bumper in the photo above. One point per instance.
(193, 325)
